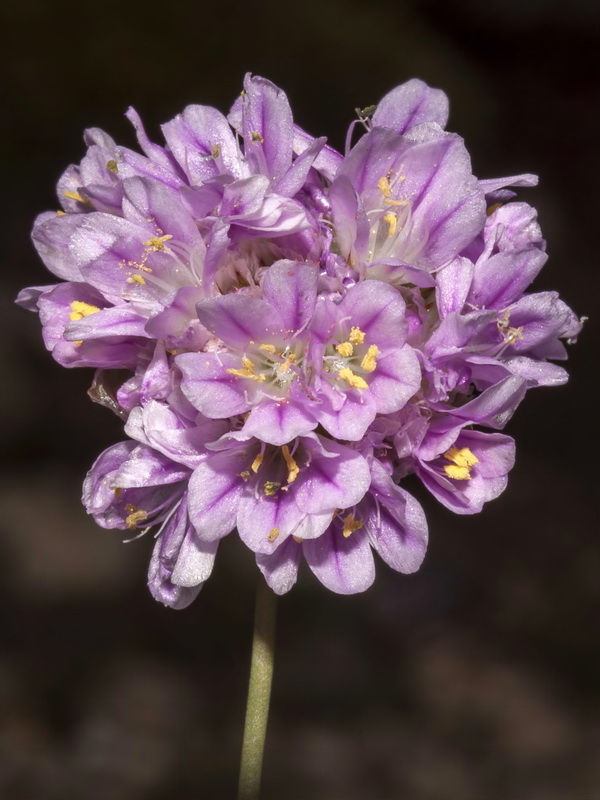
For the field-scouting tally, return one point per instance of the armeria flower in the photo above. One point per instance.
(300, 329)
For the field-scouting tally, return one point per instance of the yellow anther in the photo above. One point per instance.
(61, 213)
(345, 349)
(78, 197)
(355, 381)
(383, 184)
(112, 165)
(117, 490)
(157, 242)
(503, 320)
(492, 208)
(293, 468)
(136, 279)
(356, 336)
(273, 534)
(216, 151)
(298, 539)
(81, 310)
(457, 473)
(247, 371)
(369, 363)
(271, 488)
(462, 461)
(289, 360)
(245, 475)
(391, 220)
(256, 137)
(351, 525)
(135, 515)
(268, 348)
(513, 335)
(256, 463)
(395, 202)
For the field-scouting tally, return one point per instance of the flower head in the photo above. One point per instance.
(301, 330)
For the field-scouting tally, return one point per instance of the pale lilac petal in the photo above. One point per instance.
(395, 380)
(215, 490)
(502, 279)
(293, 180)
(410, 104)
(195, 561)
(378, 310)
(332, 483)
(278, 423)
(121, 321)
(238, 319)
(265, 522)
(344, 565)
(493, 184)
(267, 127)
(209, 387)
(345, 415)
(203, 144)
(291, 288)
(51, 236)
(280, 569)
(453, 285)
(328, 160)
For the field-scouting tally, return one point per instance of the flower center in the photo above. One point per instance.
(351, 359)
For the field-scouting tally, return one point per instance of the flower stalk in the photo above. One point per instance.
(259, 692)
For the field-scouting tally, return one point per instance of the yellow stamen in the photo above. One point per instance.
(81, 310)
(462, 461)
(78, 197)
(157, 243)
(256, 137)
(289, 360)
(247, 371)
(492, 208)
(61, 213)
(257, 462)
(271, 488)
(369, 363)
(216, 151)
(268, 348)
(112, 165)
(391, 220)
(356, 336)
(139, 279)
(345, 349)
(513, 335)
(293, 468)
(298, 539)
(351, 525)
(355, 381)
(245, 474)
(503, 320)
(383, 184)
(274, 533)
(135, 515)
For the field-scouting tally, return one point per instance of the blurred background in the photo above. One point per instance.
(476, 678)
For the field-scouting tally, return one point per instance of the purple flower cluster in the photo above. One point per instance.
(299, 331)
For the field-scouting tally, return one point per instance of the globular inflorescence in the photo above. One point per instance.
(290, 332)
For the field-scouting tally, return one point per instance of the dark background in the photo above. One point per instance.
(476, 678)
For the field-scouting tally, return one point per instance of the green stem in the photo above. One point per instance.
(259, 692)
